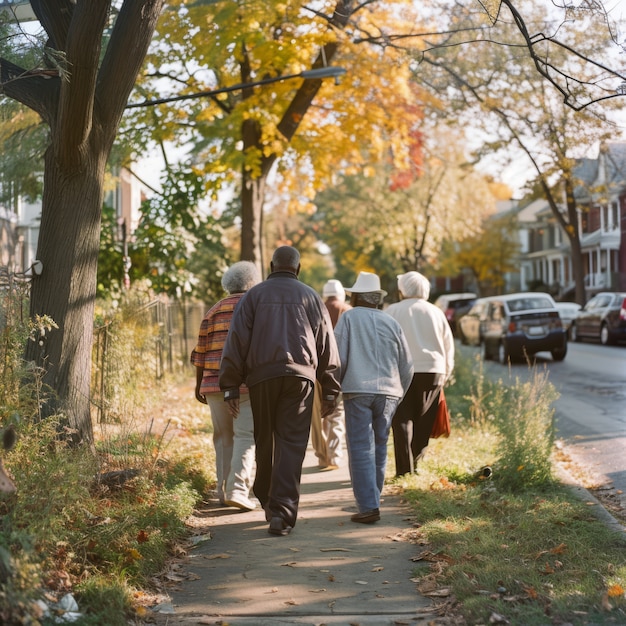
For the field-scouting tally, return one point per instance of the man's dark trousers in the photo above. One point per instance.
(282, 409)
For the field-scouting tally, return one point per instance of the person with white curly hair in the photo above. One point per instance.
(233, 438)
(432, 348)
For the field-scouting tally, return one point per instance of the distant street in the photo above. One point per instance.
(591, 412)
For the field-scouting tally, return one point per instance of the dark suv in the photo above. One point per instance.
(602, 318)
(455, 305)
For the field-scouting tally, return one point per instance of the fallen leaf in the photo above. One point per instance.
(291, 602)
(560, 549)
(218, 556)
(377, 569)
(360, 582)
(316, 590)
(496, 618)
(290, 564)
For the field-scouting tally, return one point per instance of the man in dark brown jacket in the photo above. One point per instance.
(279, 343)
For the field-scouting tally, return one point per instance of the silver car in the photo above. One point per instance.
(471, 326)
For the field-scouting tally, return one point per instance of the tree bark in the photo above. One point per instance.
(83, 107)
(65, 291)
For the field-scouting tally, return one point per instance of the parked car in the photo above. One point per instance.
(568, 312)
(603, 318)
(520, 325)
(472, 325)
(455, 305)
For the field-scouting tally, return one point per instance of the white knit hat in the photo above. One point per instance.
(367, 282)
(334, 288)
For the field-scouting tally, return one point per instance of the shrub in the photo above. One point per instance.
(524, 417)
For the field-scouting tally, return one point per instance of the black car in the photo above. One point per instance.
(455, 305)
(603, 318)
(471, 326)
(520, 325)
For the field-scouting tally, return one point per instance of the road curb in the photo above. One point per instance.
(598, 509)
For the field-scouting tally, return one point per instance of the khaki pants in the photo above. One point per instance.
(327, 435)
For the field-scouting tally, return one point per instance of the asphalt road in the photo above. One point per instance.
(590, 414)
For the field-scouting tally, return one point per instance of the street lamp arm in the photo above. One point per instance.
(320, 72)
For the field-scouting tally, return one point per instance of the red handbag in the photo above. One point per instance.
(441, 427)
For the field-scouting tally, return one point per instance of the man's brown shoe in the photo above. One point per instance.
(367, 517)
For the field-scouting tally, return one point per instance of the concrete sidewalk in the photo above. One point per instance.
(329, 570)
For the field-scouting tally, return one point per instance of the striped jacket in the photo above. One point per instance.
(211, 338)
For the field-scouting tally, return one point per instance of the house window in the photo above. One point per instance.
(614, 216)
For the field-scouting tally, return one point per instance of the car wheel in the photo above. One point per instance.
(573, 333)
(605, 336)
(503, 354)
(558, 354)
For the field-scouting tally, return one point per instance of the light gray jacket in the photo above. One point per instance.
(375, 356)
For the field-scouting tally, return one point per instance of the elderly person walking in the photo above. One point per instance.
(233, 439)
(376, 371)
(280, 342)
(328, 434)
(432, 347)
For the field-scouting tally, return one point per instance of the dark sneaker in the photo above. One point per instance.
(278, 526)
(367, 517)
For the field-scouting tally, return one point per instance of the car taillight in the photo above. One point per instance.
(449, 314)
(622, 311)
(512, 327)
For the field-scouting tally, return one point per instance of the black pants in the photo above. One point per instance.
(282, 409)
(414, 419)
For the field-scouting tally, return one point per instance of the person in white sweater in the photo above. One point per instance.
(432, 348)
(376, 371)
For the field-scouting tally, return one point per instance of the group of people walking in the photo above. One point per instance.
(278, 364)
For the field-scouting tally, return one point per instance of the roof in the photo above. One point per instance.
(19, 10)
(607, 172)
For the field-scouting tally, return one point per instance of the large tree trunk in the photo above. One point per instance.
(66, 290)
(83, 107)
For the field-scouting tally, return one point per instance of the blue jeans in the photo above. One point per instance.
(368, 421)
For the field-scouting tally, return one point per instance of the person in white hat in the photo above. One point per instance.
(328, 435)
(432, 348)
(376, 371)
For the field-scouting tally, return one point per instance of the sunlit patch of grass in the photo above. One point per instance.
(530, 556)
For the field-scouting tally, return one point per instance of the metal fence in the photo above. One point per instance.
(146, 343)
(136, 348)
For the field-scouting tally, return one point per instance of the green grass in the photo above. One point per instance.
(518, 545)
